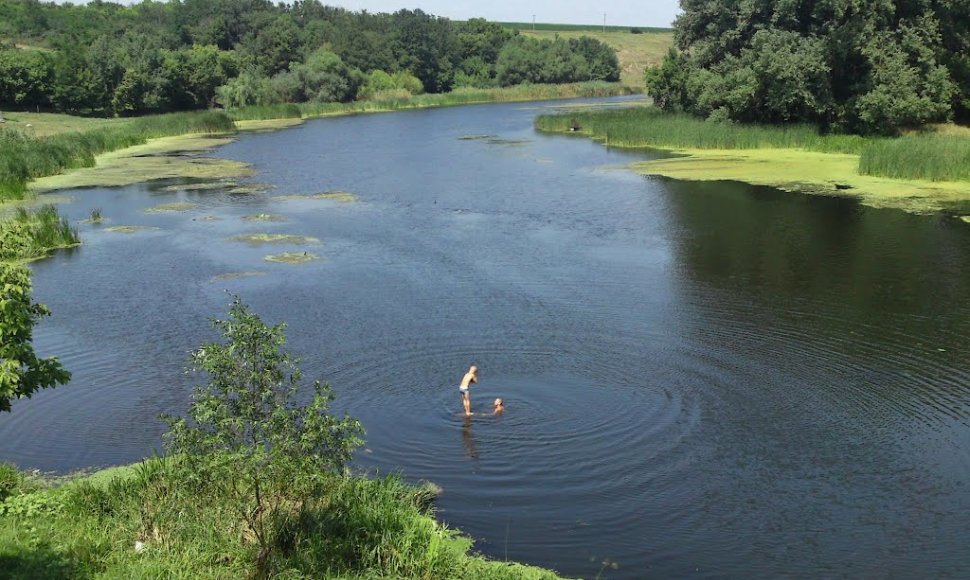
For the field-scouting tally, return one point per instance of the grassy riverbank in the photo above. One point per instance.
(927, 171)
(142, 521)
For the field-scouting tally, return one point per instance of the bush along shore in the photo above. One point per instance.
(922, 171)
(253, 484)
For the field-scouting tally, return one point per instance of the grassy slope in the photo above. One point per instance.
(635, 51)
(357, 528)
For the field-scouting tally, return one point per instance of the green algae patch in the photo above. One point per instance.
(237, 276)
(203, 186)
(163, 158)
(251, 189)
(264, 217)
(261, 125)
(176, 207)
(129, 229)
(292, 258)
(338, 196)
(505, 141)
(807, 172)
(263, 238)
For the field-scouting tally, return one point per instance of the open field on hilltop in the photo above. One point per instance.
(523, 26)
(636, 52)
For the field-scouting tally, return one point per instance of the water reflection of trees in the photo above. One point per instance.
(824, 283)
(786, 247)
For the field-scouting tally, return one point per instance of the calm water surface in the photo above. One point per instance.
(702, 380)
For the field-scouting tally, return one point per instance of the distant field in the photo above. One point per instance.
(635, 51)
(43, 124)
(523, 26)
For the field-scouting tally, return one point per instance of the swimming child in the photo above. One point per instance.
(499, 406)
(470, 377)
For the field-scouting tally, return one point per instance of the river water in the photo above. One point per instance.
(702, 380)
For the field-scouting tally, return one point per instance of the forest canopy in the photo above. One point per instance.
(107, 58)
(866, 66)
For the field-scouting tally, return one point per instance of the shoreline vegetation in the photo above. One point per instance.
(921, 172)
(115, 522)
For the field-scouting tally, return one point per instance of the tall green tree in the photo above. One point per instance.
(22, 372)
(873, 67)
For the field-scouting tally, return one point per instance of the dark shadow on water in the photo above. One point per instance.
(467, 439)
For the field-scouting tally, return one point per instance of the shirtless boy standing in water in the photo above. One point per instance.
(466, 382)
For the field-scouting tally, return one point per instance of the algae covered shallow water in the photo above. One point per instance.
(702, 379)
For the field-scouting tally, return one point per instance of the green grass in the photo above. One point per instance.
(29, 235)
(349, 527)
(929, 157)
(651, 127)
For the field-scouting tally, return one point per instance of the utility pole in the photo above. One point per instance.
(604, 22)
(533, 23)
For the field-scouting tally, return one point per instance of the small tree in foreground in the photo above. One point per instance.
(249, 438)
(21, 372)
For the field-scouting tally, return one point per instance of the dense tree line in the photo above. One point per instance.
(871, 66)
(184, 54)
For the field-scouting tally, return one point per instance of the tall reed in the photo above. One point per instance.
(929, 157)
(32, 234)
(651, 127)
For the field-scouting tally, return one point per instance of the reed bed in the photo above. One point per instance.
(925, 156)
(651, 127)
(23, 157)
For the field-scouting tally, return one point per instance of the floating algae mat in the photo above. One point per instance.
(502, 141)
(264, 217)
(292, 258)
(203, 186)
(237, 276)
(164, 158)
(129, 229)
(339, 196)
(177, 206)
(476, 137)
(262, 238)
(250, 189)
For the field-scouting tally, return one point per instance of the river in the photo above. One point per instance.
(702, 380)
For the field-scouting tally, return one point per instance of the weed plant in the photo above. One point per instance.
(28, 235)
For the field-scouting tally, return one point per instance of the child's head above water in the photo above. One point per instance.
(499, 404)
